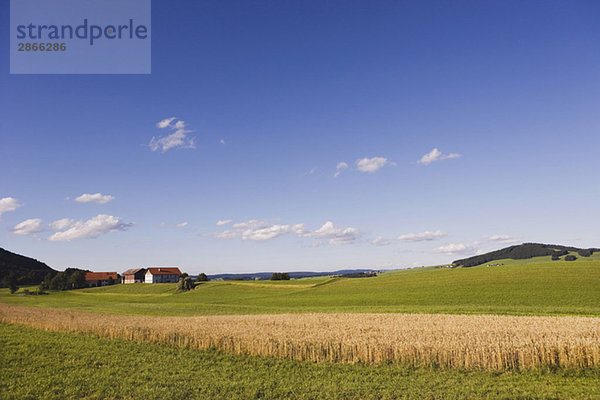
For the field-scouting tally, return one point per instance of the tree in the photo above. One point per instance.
(11, 280)
(76, 280)
(280, 276)
(202, 277)
(111, 280)
(45, 285)
(60, 281)
(570, 257)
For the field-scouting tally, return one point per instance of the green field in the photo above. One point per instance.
(36, 364)
(523, 288)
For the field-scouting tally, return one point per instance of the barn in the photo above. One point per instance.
(134, 275)
(100, 278)
(162, 275)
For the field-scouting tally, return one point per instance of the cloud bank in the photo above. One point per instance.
(92, 228)
(262, 230)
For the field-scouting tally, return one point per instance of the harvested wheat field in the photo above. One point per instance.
(459, 341)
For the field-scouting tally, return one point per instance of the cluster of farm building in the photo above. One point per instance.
(134, 275)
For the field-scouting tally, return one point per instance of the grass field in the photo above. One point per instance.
(526, 288)
(35, 364)
(39, 364)
(546, 259)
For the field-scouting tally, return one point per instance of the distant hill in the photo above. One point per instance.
(293, 275)
(523, 251)
(27, 270)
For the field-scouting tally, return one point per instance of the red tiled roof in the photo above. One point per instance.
(164, 271)
(100, 276)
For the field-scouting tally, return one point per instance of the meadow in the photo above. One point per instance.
(521, 330)
(528, 288)
(36, 364)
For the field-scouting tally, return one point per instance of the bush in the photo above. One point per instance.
(202, 277)
(555, 257)
(185, 283)
(585, 252)
(570, 257)
(280, 276)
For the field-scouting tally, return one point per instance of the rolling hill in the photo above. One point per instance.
(524, 287)
(26, 269)
(525, 251)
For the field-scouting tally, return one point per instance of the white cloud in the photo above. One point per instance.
(165, 122)
(261, 230)
(458, 248)
(338, 169)
(92, 228)
(370, 164)
(252, 224)
(28, 227)
(182, 225)
(222, 222)
(423, 236)
(436, 155)
(312, 171)
(229, 234)
(380, 241)
(8, 204)
(162, 224)
(334, 235)
(501, 238)
(300, 230)
(244, 230)
(267, 233)
(61, 224)
(98, 198)
(178, 138)
(222, 141)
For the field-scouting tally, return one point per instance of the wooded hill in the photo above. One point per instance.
(26, 270)
(524, 251)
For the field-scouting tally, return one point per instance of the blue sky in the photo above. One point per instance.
(268, 98)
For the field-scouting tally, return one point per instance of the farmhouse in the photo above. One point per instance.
(134, 275)
(162, 275)
(100, 278)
